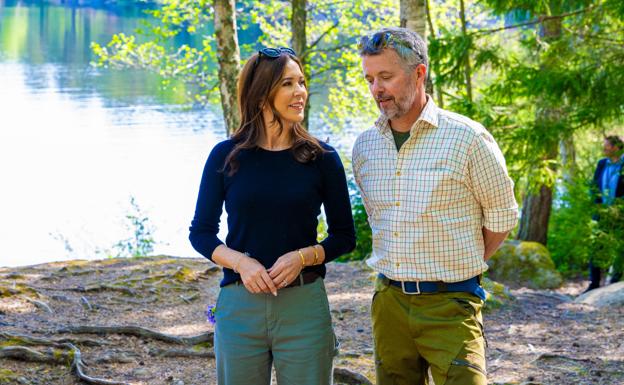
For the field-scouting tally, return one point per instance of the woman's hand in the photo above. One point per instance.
(254, 276)
(286, 269)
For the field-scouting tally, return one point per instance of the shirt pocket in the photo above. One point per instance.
(434, 190)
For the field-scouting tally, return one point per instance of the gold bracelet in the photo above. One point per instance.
(302, 258)
(315, 255)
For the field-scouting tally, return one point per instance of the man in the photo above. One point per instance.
(608, 183)
(439, 202)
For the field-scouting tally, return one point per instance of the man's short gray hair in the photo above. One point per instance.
(409, 45)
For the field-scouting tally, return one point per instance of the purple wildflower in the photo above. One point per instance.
(210, 314)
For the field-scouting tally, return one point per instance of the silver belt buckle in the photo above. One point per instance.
(417, 288)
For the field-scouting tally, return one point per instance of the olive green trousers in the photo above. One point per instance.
(441, 332)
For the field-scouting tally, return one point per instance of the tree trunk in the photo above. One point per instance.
(537, 203)
(414, 16)
(567, 153)
(434, 66)
(535, 215)
(300, 44)
(467, 69)
(229, 61)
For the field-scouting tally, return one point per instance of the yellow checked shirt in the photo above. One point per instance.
(428, 202)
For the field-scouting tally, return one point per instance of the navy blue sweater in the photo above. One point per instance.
(273, 202)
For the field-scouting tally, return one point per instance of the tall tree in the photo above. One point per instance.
(537, 202)
(229, 60)
(467, 67)
(553, 85)
(298, 22)
(414, 16)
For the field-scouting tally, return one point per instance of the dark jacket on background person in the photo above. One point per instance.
(597, 182)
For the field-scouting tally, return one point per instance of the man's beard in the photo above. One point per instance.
(401, 105)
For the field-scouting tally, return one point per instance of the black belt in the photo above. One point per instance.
(304, 278)
(471, 285)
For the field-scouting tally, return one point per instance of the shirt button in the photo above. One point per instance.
(398, 264)
(397, 203)
(396, 233)
(398, 173)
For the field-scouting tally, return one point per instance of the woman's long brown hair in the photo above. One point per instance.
(257, 85)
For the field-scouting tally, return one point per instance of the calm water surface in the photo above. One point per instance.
(76, 143)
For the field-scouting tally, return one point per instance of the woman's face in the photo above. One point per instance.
(291, 95)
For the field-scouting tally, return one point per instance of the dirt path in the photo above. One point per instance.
(540, 338)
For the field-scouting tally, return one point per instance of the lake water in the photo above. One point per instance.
(76, 143)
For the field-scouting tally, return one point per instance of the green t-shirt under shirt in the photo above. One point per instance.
(400, 138)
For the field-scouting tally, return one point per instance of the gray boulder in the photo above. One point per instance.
(611, 295)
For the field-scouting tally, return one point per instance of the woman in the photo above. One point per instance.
(273, 177)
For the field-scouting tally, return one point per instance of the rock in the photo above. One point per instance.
(527, 264)
(346, 376)
(141, 373)
(611, 295)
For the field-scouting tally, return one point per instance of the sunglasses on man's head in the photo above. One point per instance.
(379, 41)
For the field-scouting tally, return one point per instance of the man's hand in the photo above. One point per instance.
(286, 269)
(492, 241)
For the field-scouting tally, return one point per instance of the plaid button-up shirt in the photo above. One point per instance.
(428, 202)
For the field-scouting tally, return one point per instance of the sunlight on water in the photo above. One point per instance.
(76, 143)
(70, 164)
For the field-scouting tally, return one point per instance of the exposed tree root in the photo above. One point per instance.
(134, 301)
(40, 305)
(78, 368)
(23, 339)
(189, 298)
(180, 353)
(27, 354)
(60, 353)
(140, 332)
(546, 356)
(347, 376)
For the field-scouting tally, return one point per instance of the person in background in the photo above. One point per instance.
(439, 202)
(273, 176)
(608, 185)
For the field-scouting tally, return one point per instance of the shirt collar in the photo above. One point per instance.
(428, 117)
(619, 162)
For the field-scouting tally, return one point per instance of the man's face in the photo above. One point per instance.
(394, 90)
(609, 150)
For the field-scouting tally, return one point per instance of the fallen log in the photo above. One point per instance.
(180, 353)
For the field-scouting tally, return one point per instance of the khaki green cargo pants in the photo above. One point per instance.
(413, 333)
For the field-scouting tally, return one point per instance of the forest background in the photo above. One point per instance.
(545, 77)
(105, 99)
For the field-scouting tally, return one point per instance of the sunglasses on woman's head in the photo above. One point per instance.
(275, 52)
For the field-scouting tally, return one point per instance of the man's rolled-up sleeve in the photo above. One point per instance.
(491, 184)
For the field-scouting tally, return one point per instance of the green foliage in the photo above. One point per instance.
(192, 63)
(362, 228)
(534, 86)
(607, 244)
(141, 243)
(332, 62)
(570, 227)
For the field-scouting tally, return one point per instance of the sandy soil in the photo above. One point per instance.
(541, 337)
